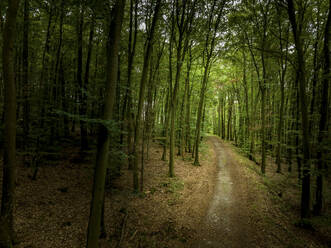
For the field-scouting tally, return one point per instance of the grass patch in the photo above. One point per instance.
(324, 221)
(173, 185)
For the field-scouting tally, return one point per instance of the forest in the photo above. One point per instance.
(165, 123)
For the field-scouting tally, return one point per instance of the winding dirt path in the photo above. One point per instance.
(229, 219)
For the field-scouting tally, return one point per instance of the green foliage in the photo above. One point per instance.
(111, 125)
(173, 185)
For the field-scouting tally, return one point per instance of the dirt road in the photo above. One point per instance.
(229, 219)
(246, 212)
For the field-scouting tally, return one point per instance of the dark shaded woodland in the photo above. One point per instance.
(115, 78)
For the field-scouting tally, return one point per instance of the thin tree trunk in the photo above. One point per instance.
(305, 194)
(127, 105)
(166, 127)
(184, 16)
(83, 105)
(173, 98)
(318, 207)
(228, 136)
(216, 9)
(219, 131)
(263, 90)
(142, 167)
(203, 119)
(44, 80)
(223, 119)
(151, 94)
(188, 121)
(199, 117)
(181, 124)
(247, 119)
(291, 141)
(64, 102)
(253, 108)
(297, 127)
(81, 84)
(282, 96)
(168, 112)
(143, 80)
(26, 88)
(54, 124)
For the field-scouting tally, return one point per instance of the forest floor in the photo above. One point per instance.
(53, 211)
(225, 202)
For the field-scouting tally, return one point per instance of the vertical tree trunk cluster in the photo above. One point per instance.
(137, 131)
(292, 123)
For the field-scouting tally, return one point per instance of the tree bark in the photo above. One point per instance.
(26, 88)
(143, 80)
(66, 130)
(93, 232)
(247, 119)
(166, 126)
(282, 72)
(181, 124)
(81, 84)
(127, 105)
(181, 52)
(184, 16)
(9, 157)
(56, 75)
(323, 127)
(216, 9)
(44, 79)
(305, 194)
(83, 106)
(219, 115)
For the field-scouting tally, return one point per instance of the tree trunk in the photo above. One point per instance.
(291, 125)
(253, 108)
(181, 124)
(305, 194)
(223, 119)
(127, 106)
(282, 72)
(9, 157)
(81, 84)
(247, 119)
(44, 79)
(219, 131)
(216, 9)
(103, 137)
(173, 102)
(83, 105)
(297, 127)
(203, 119)
(26, 88)
(321, 162)
(143, 80)
(263, 90)
(184, 16)
(66, 130)
(199, 116)
(166, 127)
(228, 136)
(56, 75)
